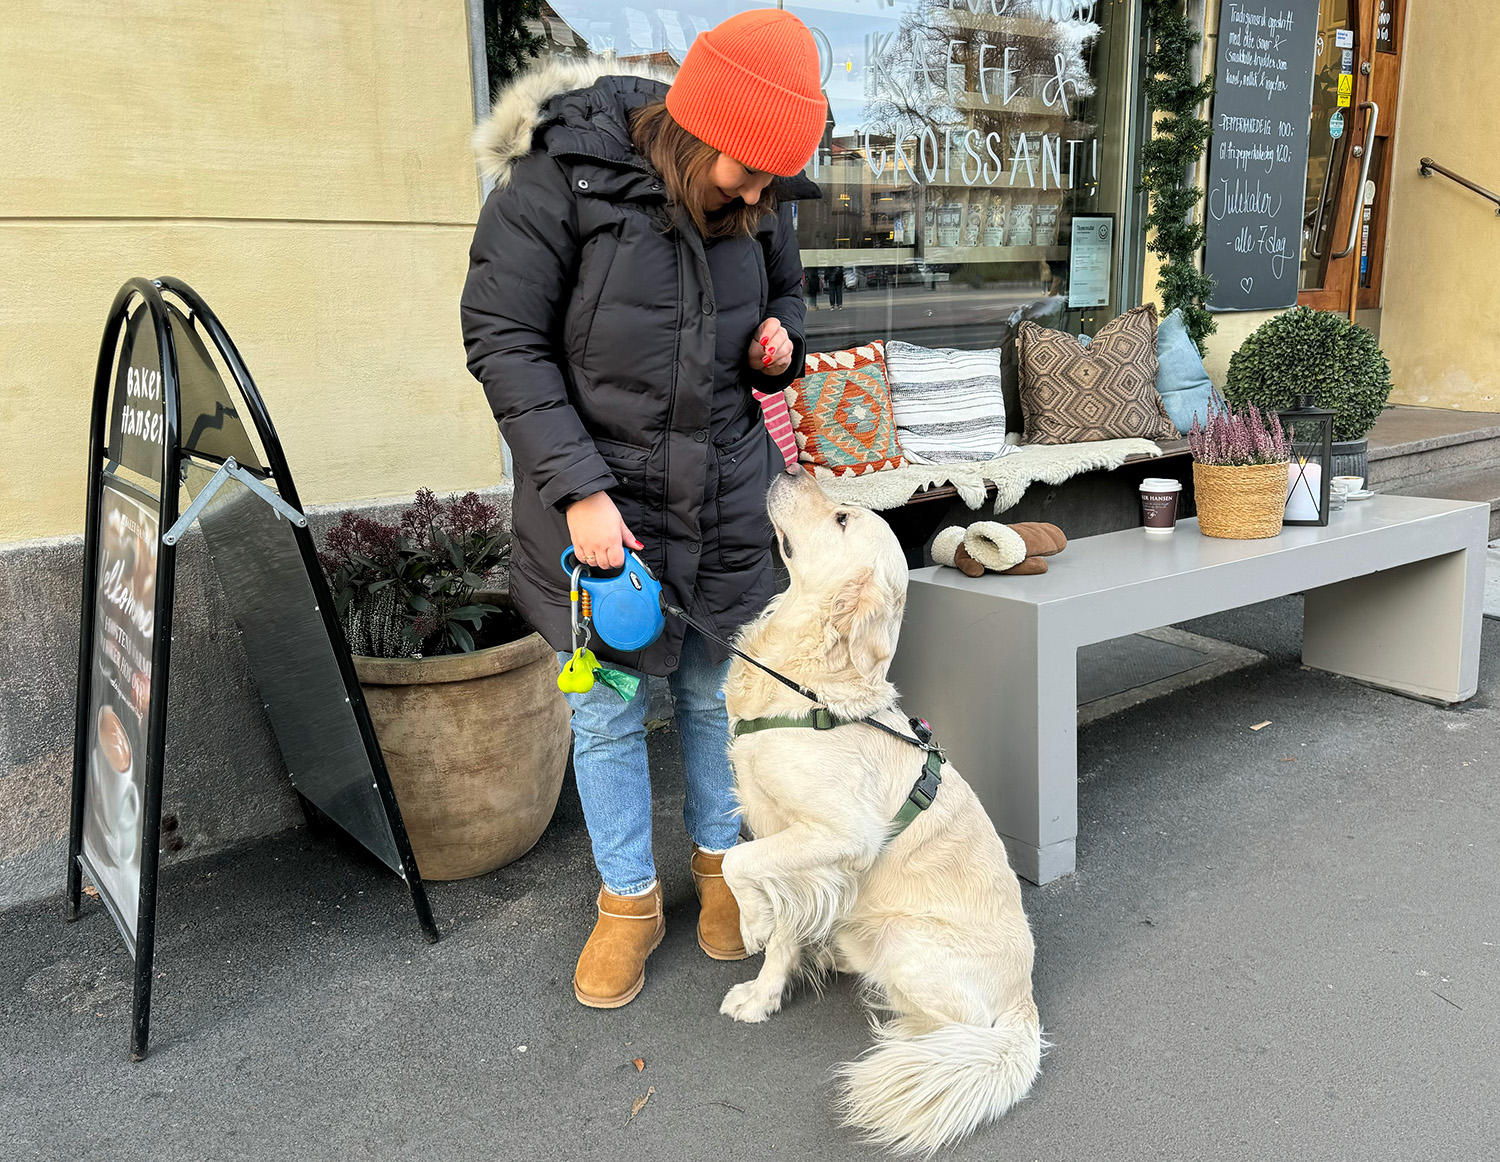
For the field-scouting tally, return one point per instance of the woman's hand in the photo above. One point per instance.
(771, 349)
(599, 534)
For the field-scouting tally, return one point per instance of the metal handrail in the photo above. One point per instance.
(1364, 176)
(1428, 167)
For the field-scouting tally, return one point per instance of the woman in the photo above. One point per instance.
(631, 280)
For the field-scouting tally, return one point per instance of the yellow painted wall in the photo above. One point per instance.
(305, 164)
(1442, 261)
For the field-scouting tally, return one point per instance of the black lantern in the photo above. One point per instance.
(1309, 432)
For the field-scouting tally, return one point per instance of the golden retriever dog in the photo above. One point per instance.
(931, 920)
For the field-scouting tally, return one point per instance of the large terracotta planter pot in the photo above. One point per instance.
(476, 745)
(1240, 503)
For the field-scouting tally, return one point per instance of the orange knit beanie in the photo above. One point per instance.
(749, 87)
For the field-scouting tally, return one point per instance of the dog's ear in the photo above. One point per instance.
(861, 626)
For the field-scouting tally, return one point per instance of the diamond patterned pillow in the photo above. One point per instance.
(1071, 394)
(841, 411)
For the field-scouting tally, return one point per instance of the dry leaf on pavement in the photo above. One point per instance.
(90, 891)
(639, 1064)
(640, 1103)
(1261, 725)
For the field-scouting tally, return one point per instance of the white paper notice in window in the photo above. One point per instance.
(1089, 262)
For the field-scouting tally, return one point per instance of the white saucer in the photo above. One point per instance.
(1362, 494)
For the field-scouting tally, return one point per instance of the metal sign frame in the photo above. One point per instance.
(151, 296)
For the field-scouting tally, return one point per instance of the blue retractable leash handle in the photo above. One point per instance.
(623, 605)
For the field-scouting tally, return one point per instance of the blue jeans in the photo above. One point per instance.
(614, 778)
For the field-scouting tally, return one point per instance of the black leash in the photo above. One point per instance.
(919, 727)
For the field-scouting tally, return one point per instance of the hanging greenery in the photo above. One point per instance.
(1166, 165)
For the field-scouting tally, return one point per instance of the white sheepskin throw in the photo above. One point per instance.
(1012, 472)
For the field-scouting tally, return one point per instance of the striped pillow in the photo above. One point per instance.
(778, 423)
(948, 404)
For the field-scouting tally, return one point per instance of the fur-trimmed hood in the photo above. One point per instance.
(522, 108)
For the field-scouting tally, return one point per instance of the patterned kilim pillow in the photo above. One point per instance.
(949, 405)
(1071, 394)
(841, 410)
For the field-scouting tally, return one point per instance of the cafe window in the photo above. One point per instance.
(964, 138)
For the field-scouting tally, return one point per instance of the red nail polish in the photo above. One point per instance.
(767, 359)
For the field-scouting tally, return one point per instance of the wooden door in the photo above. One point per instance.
(1346, 77)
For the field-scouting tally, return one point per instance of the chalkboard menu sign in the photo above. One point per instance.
(1257, 170)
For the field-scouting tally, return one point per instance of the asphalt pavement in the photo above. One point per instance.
(1279, 944)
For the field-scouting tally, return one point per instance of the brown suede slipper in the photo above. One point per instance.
(1028, 568)
(966, 564)
(1042, 539)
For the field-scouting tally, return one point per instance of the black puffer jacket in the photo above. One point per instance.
(593, 322)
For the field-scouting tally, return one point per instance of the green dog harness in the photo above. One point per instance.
(923, 791)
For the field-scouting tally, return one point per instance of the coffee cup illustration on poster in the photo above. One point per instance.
(120, 696)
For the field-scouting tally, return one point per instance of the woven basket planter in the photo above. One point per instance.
(1243, 503)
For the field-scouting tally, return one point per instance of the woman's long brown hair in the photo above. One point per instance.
(684, 163)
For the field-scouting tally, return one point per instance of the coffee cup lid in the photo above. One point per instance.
(1160, 484)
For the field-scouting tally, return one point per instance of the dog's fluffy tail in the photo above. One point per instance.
(917, 1091)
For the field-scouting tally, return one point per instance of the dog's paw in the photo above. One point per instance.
(751, 1001)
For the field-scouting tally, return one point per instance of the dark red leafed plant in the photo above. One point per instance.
(408, 589)
(1236, 439)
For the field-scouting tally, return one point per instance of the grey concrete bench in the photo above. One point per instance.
(1394, 597)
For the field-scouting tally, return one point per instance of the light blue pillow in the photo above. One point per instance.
(1181, 380)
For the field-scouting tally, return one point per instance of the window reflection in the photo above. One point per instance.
(963, 137)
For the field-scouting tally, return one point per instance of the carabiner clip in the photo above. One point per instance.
(573, 601)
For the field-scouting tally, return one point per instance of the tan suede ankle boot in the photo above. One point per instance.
(612, 968)
(718, 914)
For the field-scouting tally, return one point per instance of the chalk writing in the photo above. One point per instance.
(1258, 152)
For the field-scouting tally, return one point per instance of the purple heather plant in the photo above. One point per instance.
(1236, 439)
(407, 589)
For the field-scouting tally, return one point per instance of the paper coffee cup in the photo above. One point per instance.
(1159, 503)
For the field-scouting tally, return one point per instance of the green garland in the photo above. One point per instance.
(1178, 141)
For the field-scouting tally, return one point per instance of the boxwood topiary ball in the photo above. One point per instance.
(1317, 353)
